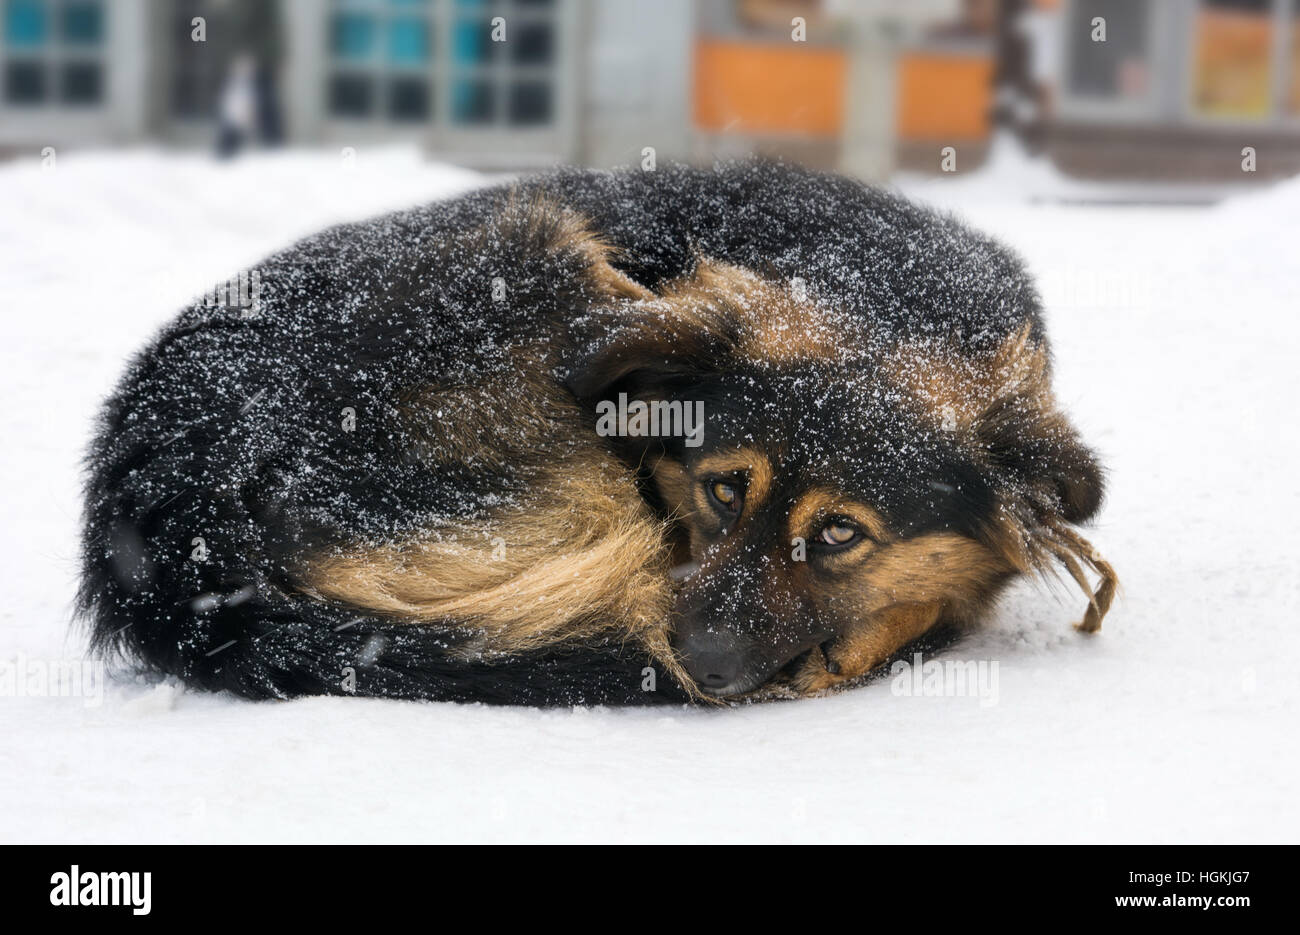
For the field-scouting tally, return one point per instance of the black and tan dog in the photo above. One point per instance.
(386, 475)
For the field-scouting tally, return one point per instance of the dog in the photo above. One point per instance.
(688, 435)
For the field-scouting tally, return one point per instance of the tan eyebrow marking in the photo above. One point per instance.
(748, 460)
(820, 504)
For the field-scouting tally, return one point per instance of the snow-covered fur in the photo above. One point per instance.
(383, 476)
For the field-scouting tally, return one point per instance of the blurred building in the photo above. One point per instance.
(515, 83)
(1170, 90)
(753, 88)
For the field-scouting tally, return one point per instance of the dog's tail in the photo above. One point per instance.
(178, 574)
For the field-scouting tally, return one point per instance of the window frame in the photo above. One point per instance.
(54, 55)
(1170, 98)
(1279, 75)
(1091, 108)
(495, 143)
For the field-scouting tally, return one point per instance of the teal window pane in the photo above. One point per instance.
(25, 22)
(83, 22)
(352, 35)
(408, 41)
(471, 43)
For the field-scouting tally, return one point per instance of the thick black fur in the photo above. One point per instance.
(227, 427)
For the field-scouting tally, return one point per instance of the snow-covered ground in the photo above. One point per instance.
(1177, 335)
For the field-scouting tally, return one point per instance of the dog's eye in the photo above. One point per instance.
(725, 495)
(838, 534)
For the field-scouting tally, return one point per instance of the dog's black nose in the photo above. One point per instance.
(715, 671)
(713, 660)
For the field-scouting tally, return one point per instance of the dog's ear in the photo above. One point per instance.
(654, 352)
(1001, 403)
(649, 349)
(1051, 481)
(1048, 479)
(1043, 454)
(1030, 437)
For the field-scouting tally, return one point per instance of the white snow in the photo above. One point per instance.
(1177, 339)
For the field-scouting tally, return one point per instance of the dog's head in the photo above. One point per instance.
(847, 490)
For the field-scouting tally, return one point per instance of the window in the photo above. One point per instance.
(506, 83)
(420, 61)
(1246, 59)
(53, 52)
(381, 53)
(1119, 66)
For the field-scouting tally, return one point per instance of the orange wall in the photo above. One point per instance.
(745, 87)
(944, 96)
(760, 88)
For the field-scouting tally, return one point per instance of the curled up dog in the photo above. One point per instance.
(590, 438)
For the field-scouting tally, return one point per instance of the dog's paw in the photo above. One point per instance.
(853, 654)
(825, 667)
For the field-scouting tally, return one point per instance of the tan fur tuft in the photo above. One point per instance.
(957, 387)
(772, 325)
(545, 225)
